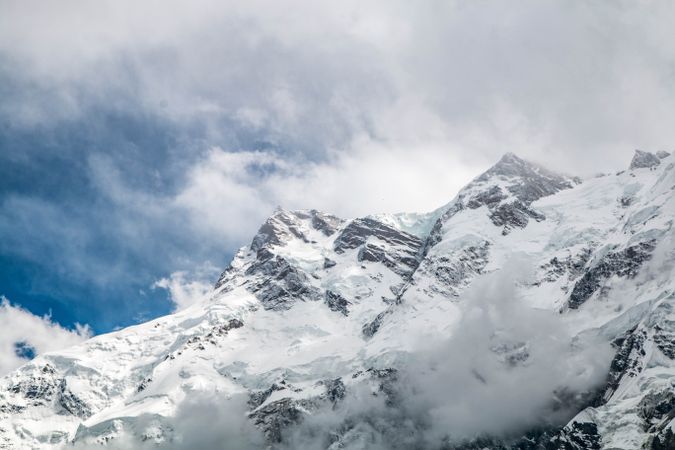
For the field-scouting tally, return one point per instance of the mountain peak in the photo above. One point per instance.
(525, 180)
(510, 165)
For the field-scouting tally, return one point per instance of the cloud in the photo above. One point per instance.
(25, 335)
(230, 193)
(142, 140)
(548, 79)
(506, 370)
(203, 421)
(185, 292)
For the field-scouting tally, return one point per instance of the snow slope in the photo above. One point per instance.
(319, 307)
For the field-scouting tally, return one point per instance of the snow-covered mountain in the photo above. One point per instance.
(533, 311)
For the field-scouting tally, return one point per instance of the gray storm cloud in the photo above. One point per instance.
(553, 80)
(343, 98)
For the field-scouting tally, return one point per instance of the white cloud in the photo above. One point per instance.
(39, 334)
(185, 288)
(229, 194)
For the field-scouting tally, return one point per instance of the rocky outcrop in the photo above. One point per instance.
(530, 181)
(370, 328)
(627, 361)
(71, 403)
(571, 265)
(664, 440)
(655, 407)
(337, 303)
(44, 387)
(335, 389)
(452, 272)
(283, 225)
(576, 436)
(622, 263)
(507, 190)
(644, 160)
(277, 416)
(278, 284)
(514, 215)
(378, 242)
(665, 341)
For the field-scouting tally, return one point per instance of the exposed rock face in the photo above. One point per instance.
(378, 242)
(491, 198)
(257, 398)
(656, 406)
(71, 403)
(663, 441)
(283, 225)
(357, 232)
(279, 284)
(571, 265)
(532, 182)
(665, 340)
(278, 230)
(403, 262)
(337, 303)
(507, 190)
(453, 272)
(644, 160)
(335, 390)
(525, 182)
(627, 362)
(623, 263)
(576, 436)
(275, 417)
(514, 215)
(370, 328)
(44, 388)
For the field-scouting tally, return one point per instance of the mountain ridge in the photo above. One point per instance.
(318, 309)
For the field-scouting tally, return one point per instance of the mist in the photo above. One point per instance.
(507, 369)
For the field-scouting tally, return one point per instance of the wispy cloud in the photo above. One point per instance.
(188, 288)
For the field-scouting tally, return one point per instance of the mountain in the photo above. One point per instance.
(533, 311)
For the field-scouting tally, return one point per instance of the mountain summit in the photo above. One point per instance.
(532, 311)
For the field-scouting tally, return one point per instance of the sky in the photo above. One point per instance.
(142, 143)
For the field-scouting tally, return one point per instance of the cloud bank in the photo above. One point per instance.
(507, 369)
